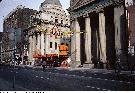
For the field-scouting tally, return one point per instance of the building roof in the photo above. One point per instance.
(53, 2)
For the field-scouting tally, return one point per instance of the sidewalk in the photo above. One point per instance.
(80, 68)
(7, 86)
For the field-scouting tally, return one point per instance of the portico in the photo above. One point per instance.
(97, 33)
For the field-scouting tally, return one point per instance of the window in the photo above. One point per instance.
(50, 44)
(56, 20)
(55, 45)
(66, 21)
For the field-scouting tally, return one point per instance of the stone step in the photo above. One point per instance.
(86, 65)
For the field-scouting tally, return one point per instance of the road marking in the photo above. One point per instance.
(47, 78)
(92, 87)
(106, 79)
(36, 76)
(113, 80)
(128, 82)
(104, 89)
(98, 78)
(50, 72)
(82, 76)
(108, 72)
(16, 72)
(95, 74)
(121, 81)
(88, 86)
(98, 88)
(11, 71)
(104, 73)
(90, 77)
(42, 77)
(85, 73)
(73, 75)
(66, 74)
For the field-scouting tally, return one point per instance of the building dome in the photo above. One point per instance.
(53, 2)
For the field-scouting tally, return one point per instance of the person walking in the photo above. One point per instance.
(44, 65)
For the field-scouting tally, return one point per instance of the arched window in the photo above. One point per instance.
(61, 21)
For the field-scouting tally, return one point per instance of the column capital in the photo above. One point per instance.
(86, 16)
(101, 11)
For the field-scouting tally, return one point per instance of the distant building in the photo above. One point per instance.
(14, 24)
(1, 35)
(51, 23)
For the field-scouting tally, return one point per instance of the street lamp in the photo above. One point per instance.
(14, 51)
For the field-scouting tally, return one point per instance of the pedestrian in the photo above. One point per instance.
(44, 65)
(95, 62)
(100, 63)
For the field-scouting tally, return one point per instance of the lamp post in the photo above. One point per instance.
(14, 51)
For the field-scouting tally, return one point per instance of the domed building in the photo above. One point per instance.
(50, 27)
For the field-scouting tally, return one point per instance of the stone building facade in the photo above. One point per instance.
(49, 28)
(130, 6)
(100, 33)
(1, 34)
(13, 36)
(131, 15)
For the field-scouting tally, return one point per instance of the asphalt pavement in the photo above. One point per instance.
(59, 79)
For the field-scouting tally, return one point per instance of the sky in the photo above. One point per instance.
(6, 6)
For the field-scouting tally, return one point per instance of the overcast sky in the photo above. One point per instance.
(6, 6)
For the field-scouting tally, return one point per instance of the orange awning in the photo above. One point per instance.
(51, 55)
(37, 56)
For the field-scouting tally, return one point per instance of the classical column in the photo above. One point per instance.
(42, 43)
(38, 41)
(117, 23)
(73, 51)
(30, 48)
(121, 38)
(75, 44)
(88, 40)
(102, 36)
(34, 43)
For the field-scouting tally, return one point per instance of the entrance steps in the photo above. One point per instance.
(88, 65)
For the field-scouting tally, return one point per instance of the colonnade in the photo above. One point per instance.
(101, 38)
(36, 45)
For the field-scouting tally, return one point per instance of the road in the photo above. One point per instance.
(68, 80)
